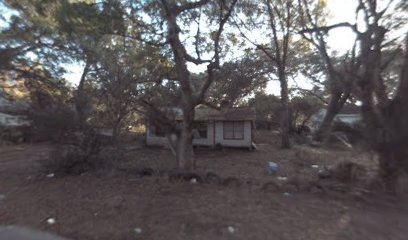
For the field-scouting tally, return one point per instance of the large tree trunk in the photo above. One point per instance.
(392, 149)
(189, 98)
(336, 103)
(116, 129)
(391, 144)
(389, 163)
(285, 121)
(80, 98)
(184, 152)
(386, 122)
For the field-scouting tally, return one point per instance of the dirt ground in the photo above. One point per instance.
(115, 204)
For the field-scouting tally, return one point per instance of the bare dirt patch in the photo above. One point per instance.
(117, 204)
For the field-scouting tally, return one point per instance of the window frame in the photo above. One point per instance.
(234, 130)
(196, 127)
(156, 131)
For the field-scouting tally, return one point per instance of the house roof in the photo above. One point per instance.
(203, 113)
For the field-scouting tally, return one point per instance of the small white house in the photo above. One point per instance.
(230, 127)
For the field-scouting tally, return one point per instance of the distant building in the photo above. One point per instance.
(231, 127)
(7, 120)
(349, 114)
(12, 113)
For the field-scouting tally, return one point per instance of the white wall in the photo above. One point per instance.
(209, 141)
(153, 140)
(348, 118)
(219, 136)
(13, 120)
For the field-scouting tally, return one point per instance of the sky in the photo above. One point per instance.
(340, 39)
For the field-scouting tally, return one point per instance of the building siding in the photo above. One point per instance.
(210, 136)
(245, 142)
(153, 140)
(215, 134)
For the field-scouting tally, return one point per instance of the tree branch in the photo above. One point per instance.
(312, 93)
(216, 62)
(190, 5)
(326, 29)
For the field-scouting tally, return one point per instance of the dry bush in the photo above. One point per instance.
(354, 133)
(377, 184)
(306, 156)
(403, 183)
(70, 160)
(13, 135)
(66, 160)
(267, 137)
(271, 186)
(212, 178)
(348, 172)
(231, 182)
(302, 139)
(182, 175)
(51, 124)
(81, 152)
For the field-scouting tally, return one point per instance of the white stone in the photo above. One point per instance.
(51, 175)
(51, 221)
(231, 229)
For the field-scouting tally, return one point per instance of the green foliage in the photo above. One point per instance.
(302, 109)
(84, 153)
(268, 109)
(238, 79)
(50, 111)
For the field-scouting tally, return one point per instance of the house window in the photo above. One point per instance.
(200, 130)
(157, 131)
(234, 130)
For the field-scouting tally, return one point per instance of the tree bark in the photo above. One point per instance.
(337, 101)
(190, 99)
(285, 121)
(184, 153)
(386, 122)
(389, 169)
(116, 129)
(80, 100)
(392, 147)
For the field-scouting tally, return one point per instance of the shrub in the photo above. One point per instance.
(354, 132)
(51, 123)
(80, 152)
(66, 160)
(348, 171)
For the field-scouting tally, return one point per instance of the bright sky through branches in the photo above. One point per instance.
(340, 40)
